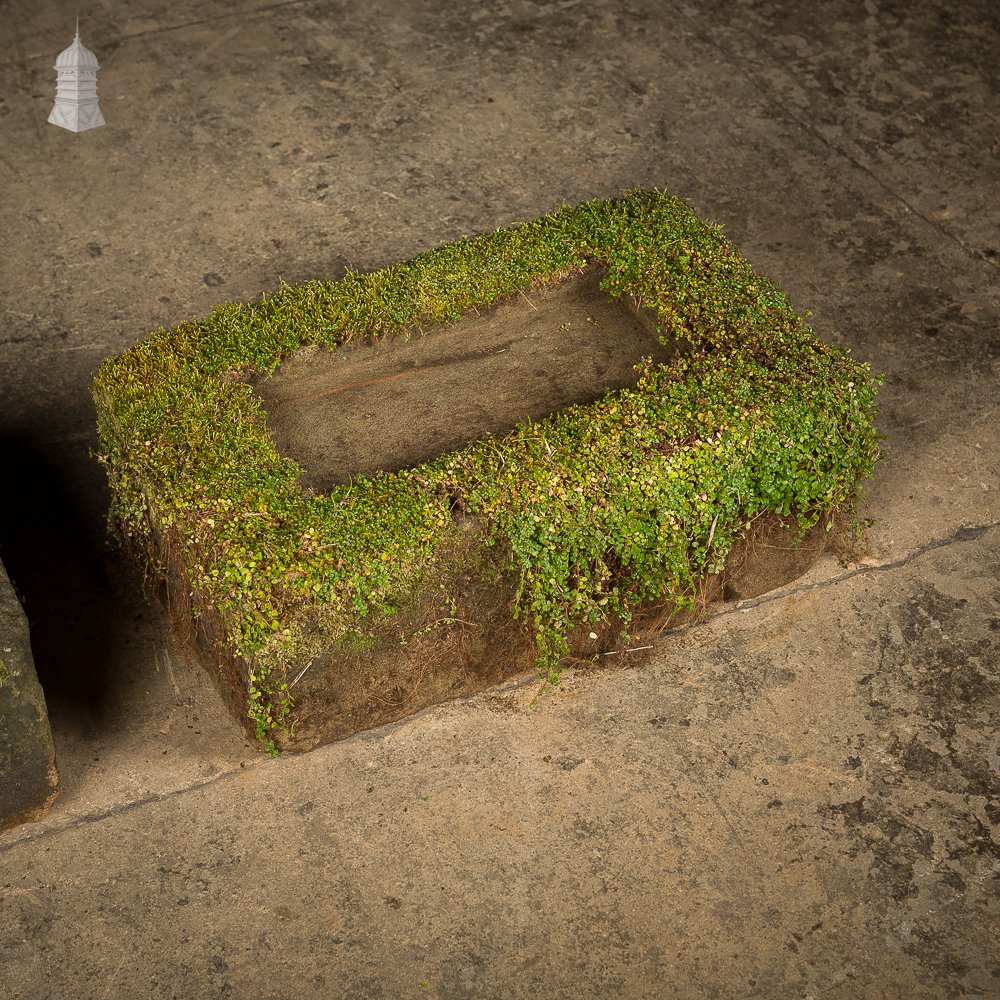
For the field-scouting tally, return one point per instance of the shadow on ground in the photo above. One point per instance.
(53, 547)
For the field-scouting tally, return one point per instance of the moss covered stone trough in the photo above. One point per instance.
(508, 454)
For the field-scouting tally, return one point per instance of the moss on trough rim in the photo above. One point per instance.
(635, 496)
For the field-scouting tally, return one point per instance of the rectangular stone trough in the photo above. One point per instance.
(510, 454)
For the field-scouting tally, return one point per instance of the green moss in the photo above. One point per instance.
(602, 506)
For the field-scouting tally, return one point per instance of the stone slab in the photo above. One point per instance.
(28, 777)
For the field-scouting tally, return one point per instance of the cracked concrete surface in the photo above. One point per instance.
(797, 798)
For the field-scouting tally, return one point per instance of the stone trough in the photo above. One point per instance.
(512, 453)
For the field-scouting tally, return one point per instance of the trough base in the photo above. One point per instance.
(455, 635)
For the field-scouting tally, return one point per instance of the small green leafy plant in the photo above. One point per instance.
(602, 507)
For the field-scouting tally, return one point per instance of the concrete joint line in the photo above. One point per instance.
(117, 810)
(768, 94)
(965, 534)
(24, 60)
(968, 533)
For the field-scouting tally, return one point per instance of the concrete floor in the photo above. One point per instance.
(798, 798)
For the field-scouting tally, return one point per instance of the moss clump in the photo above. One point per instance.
(602, 507)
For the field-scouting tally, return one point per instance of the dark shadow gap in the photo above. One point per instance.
(53, 546)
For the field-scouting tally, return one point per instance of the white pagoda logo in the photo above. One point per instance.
(76, 88)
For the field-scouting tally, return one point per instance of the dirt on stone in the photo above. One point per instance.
(390, 405)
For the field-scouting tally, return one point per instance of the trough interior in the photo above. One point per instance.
(353, 410)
